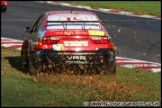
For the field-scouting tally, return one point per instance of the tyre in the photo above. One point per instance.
(4, 9)
(24, 60)
(32, 68)
(110, 66)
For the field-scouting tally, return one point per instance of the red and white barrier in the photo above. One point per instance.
(120, 61)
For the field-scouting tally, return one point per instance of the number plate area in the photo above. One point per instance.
(76, 43)
(76, 59)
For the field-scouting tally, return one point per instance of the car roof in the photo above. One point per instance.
(71, 15)
(61, 12)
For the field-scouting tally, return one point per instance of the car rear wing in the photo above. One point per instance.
(65, 23)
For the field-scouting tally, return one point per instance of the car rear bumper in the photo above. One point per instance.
(87, 57)
(49, 59)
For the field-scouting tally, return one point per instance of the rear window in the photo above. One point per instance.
(73, 21)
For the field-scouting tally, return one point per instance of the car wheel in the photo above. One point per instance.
(110, 66)
(5, 9)
(31, 69)
(24, 60)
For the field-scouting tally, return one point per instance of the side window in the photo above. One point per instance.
(38, 23)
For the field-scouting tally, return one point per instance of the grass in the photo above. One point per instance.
(18, 89)
(139, 7)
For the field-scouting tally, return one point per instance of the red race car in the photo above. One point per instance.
(3, 5)
(74, 41)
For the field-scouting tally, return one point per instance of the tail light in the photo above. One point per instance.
(4, 3)
(99, 39)
(51, 40)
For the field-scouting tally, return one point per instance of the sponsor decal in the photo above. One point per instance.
(76, 43)
(58, 47)
(96, 32)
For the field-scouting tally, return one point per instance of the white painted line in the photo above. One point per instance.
(19, 49)
(40, 1)
(127, 66)
(148, 16)
(126, 13)
(141, 61)
(79, 6)
(87, 7)
(48, 2)
(140, 65)
(8, 45)
(130, 61)
(104, 10)
(10, 39)
(155, 70)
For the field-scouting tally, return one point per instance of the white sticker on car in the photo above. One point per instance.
(58, 47)
(76, 43)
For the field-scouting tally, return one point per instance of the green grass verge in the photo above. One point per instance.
(140, 7)
(19, 89)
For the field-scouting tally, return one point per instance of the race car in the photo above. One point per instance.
(73, 41)
(3, 5)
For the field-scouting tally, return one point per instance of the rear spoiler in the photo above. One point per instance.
(79, 21)
(75, 21)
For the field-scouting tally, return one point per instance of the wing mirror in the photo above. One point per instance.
(102, 23)
(26, 29)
